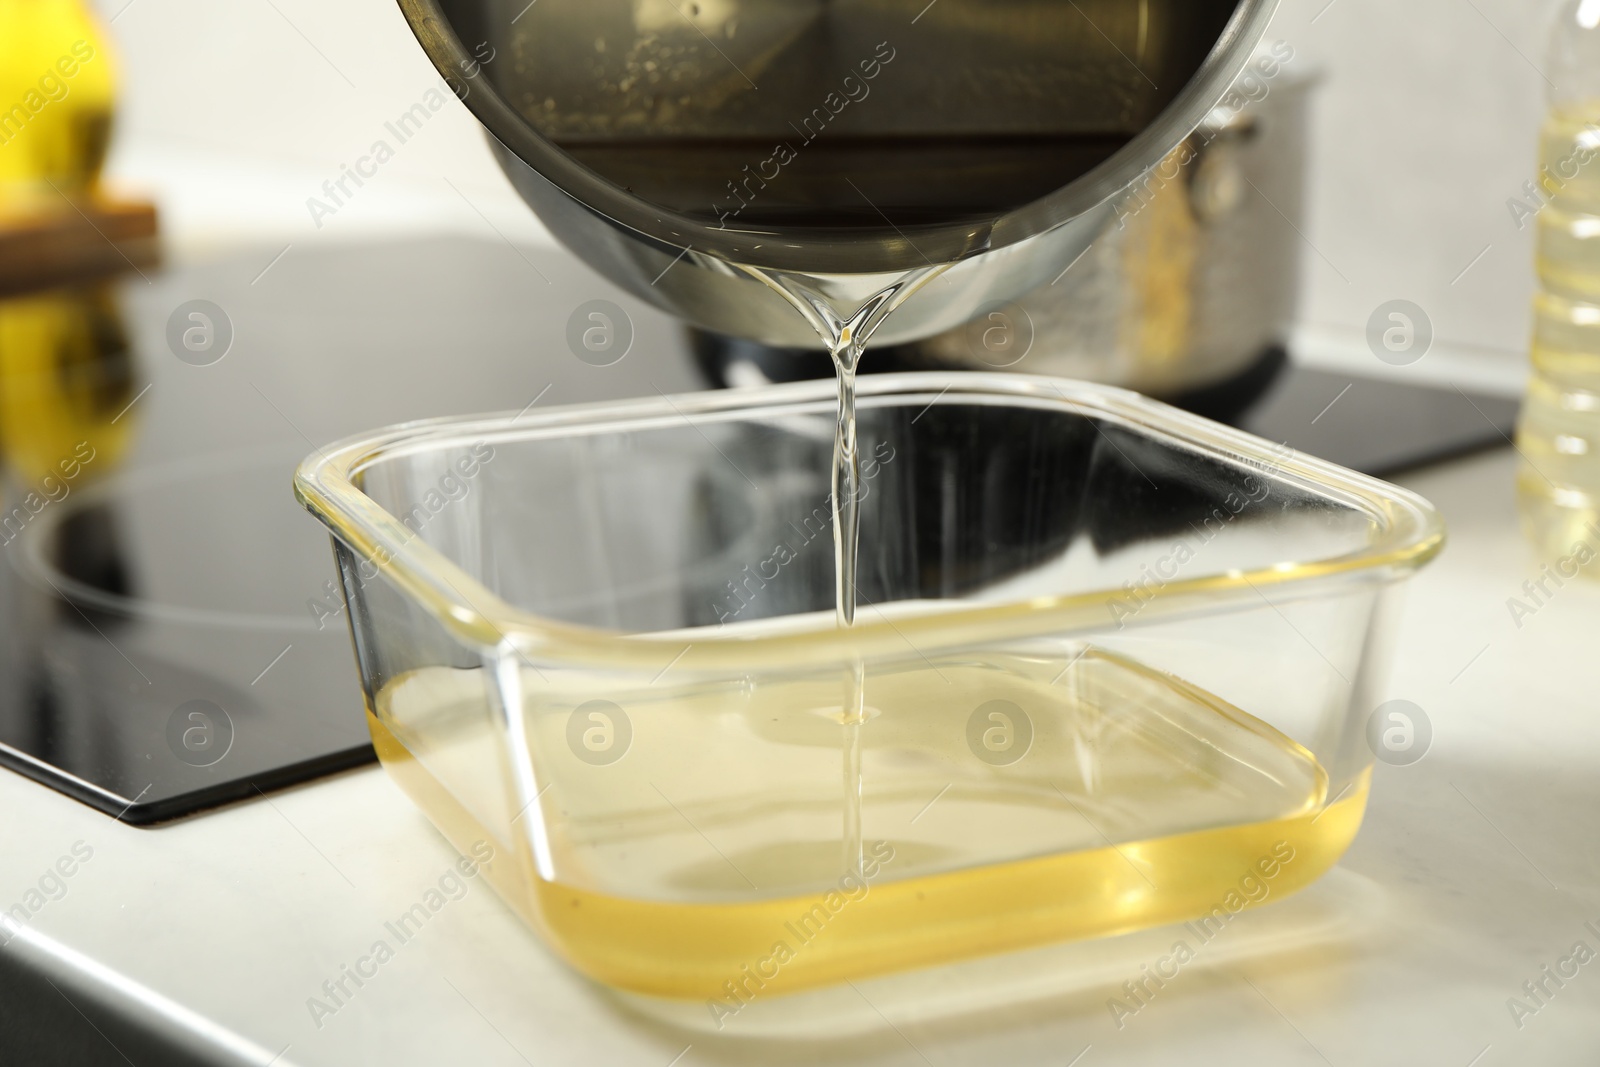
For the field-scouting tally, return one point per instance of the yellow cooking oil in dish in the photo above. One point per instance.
(1004, 803)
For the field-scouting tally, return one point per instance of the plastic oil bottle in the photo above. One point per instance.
(1559, 433)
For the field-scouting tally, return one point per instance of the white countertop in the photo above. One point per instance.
(1475, 867)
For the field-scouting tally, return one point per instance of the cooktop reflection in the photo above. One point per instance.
(170, 639)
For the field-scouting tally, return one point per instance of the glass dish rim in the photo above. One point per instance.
(1409, 531)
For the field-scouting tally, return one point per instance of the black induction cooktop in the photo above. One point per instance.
(170, 639)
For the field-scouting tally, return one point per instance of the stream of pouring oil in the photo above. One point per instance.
(1205, 793)
(845, 337)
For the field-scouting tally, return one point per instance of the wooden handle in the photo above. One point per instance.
(55, 243)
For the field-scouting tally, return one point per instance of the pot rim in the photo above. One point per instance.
(875, 250)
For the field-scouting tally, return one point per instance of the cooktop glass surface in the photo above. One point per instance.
(170, 639)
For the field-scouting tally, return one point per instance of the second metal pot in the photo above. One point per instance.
(1193, 279)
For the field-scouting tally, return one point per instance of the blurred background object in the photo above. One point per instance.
(57, 99)
(57, 84)
(66, 378)
(65, 361)
(1559, 434)
(1198, 277)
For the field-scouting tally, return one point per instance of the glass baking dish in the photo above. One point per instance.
(1118, 663)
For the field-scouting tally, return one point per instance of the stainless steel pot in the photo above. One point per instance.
(526, 70)
(1193, 278)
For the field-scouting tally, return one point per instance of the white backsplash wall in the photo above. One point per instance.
(1424, 125)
